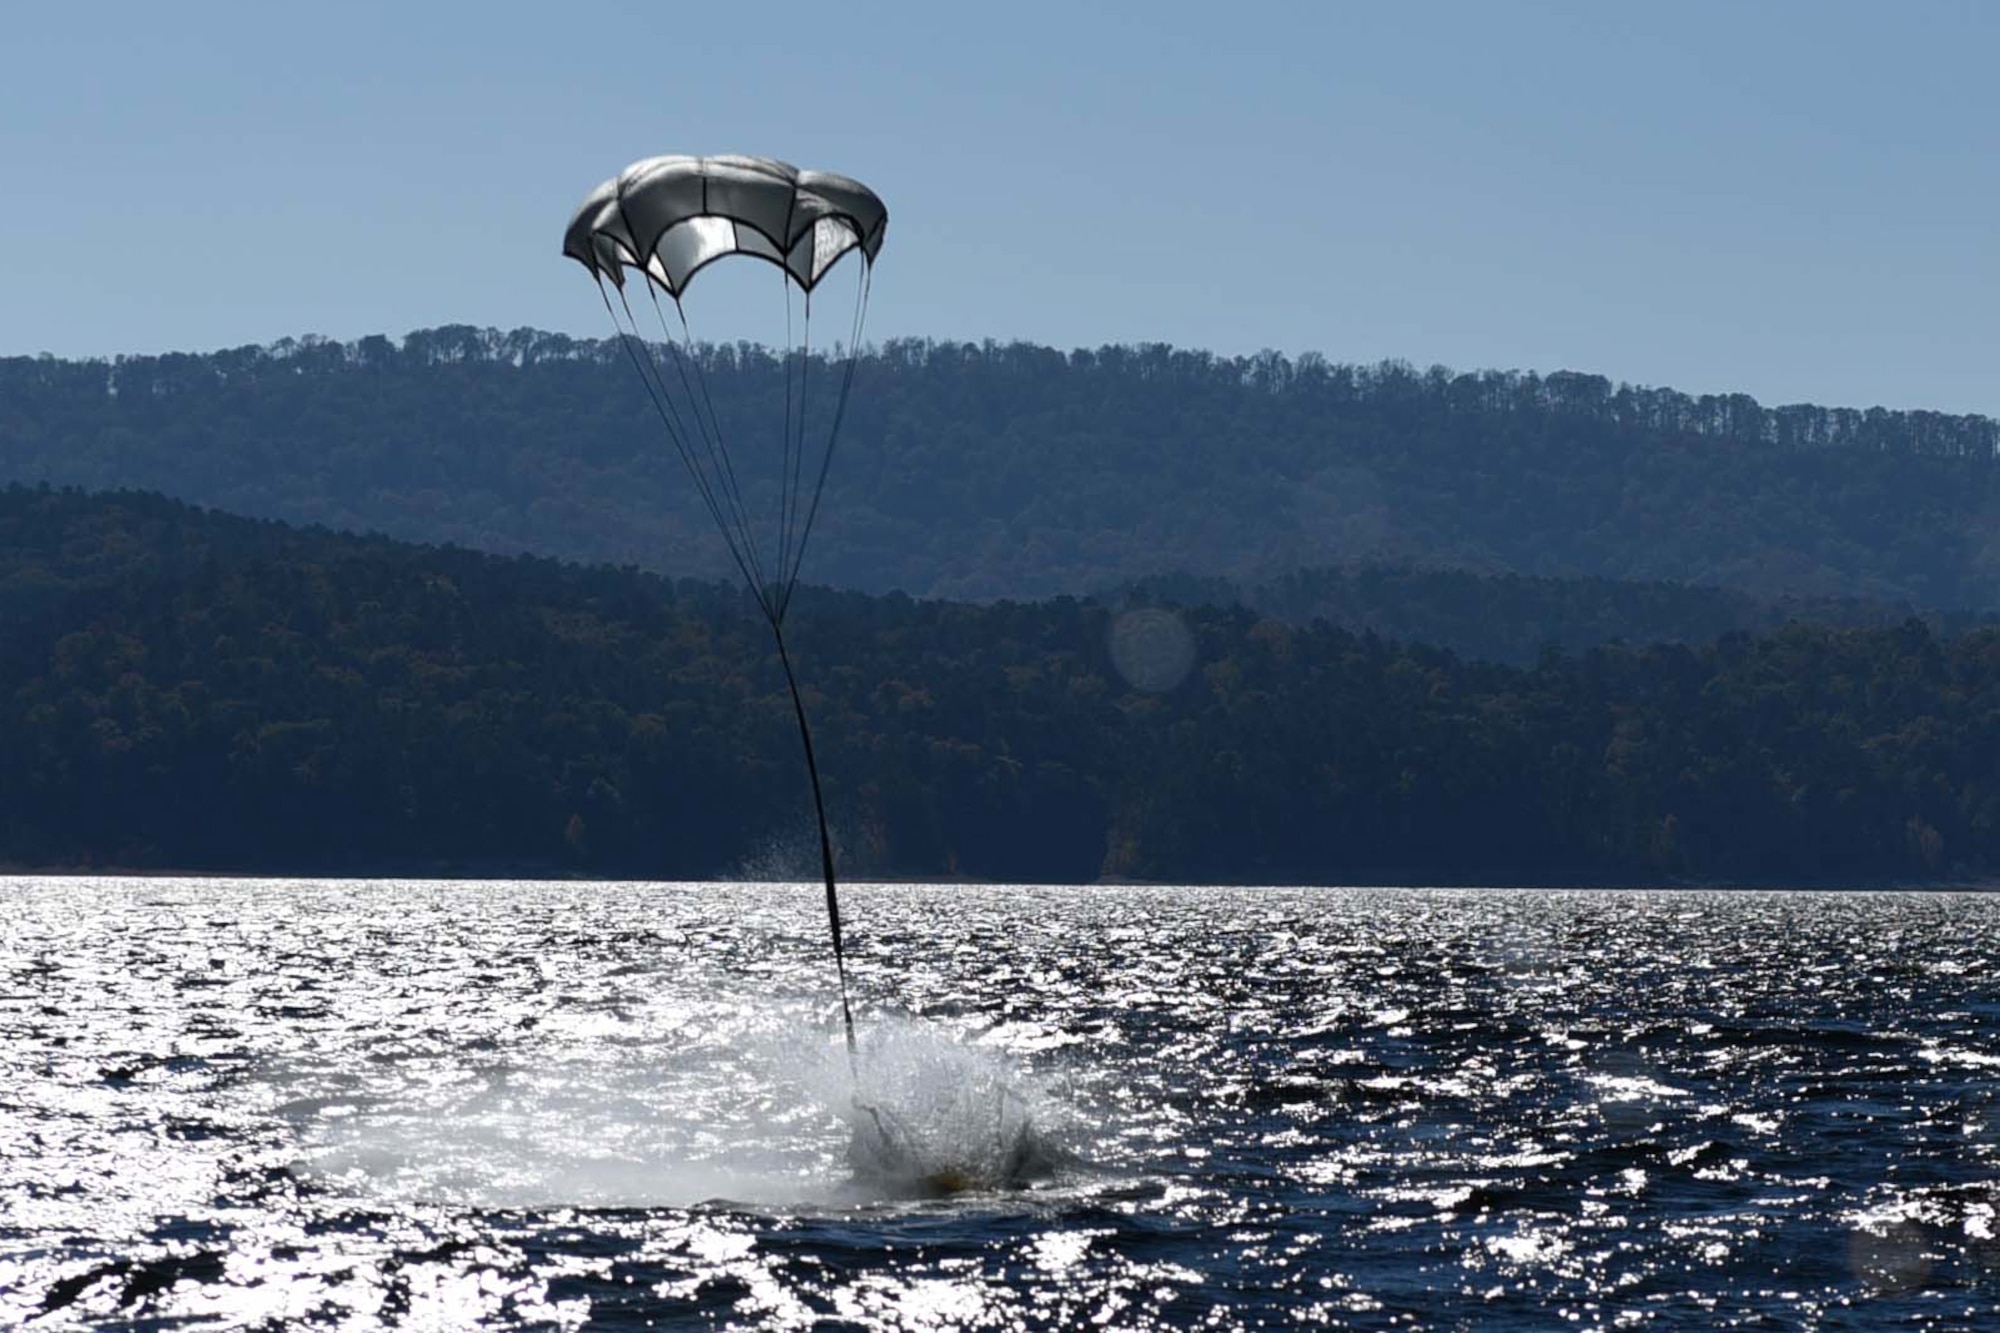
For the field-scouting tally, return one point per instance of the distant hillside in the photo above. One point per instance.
(184, 689)
(988, 471)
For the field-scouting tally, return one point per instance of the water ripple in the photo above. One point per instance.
(240, 1104)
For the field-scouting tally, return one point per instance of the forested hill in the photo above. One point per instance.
(982, 471)
(181, 689)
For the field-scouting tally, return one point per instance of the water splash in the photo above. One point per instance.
(764, 1113)
(928, 1115)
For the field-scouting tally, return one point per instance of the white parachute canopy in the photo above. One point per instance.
(669, 217)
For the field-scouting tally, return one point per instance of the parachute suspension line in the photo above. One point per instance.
(795, 440)
(825, 841)
(727, 509)
(670, 417)
(663, 406)
(786, 469)
(789, 576)
(693, 356)
(711, 435)
(839, 414)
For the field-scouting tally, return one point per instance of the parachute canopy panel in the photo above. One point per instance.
(670, 217)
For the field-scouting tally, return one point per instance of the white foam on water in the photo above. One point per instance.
(778, 1117)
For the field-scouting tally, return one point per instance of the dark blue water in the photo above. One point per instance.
(230, 1104)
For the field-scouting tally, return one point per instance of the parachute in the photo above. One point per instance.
(664, 220)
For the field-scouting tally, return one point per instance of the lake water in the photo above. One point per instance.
(440, 1105)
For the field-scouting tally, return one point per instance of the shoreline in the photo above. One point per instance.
(543, 875)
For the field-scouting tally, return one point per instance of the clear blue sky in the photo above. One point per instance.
(1799, 200)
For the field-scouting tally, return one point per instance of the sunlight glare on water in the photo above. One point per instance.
(377, 1104)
